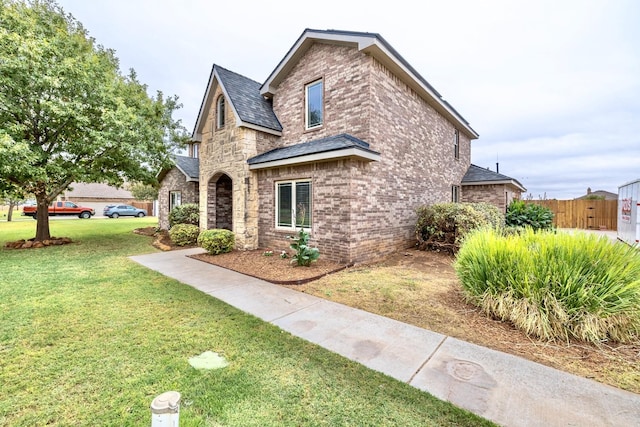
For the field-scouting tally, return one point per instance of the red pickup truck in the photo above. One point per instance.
(62, 208)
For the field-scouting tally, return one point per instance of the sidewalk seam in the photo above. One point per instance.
(427, 360)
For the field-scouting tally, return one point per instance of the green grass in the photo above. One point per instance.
(88, 337)
(555, 285)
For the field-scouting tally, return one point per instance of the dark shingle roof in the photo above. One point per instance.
(476, 174)
(189, 166)
(323, 145)
(244, 94)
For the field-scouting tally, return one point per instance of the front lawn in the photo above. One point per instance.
(89, 337)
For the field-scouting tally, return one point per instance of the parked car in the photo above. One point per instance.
(114, 211)
(65, 208)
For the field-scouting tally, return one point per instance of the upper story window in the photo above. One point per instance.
(220, 112)
(314, 104)
(195, 151)
(456, 144)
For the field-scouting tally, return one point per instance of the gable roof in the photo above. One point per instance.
(331, 147)
(480, 176)
(189, 166)
(96, 190)
(250, 108)
(606, 195)
(372, 44)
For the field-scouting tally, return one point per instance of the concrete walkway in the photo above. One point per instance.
(506, 389)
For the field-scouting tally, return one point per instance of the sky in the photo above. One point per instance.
(551, 86)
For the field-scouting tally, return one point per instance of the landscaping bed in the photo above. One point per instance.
(421, 288)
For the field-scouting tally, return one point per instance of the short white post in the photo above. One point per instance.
(165, 410)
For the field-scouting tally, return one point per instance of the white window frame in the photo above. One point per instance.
(306, 104)
(220, 112)
(293, 183)
(171, 199)
(196, 151)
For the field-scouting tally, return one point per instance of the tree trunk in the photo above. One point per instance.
(42, 216)
(12, 204)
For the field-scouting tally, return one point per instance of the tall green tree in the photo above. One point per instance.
(68, 114)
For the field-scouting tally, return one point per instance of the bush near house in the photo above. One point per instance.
(443, 226)
(217, 241)
(554, 286)
(184, 234)
(189, 213)
(520, 214)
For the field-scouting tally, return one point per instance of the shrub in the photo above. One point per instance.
(217, 241)
(189, 213)
(304, 255)
(554, 285)
(520, 214)
(184, 234)
(444, 225)
(493, 216)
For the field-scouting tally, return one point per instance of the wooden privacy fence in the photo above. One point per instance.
(144, 205)
(585, 214)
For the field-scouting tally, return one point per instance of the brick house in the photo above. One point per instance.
(484, 185)
(344, 138)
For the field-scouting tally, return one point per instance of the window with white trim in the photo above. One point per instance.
(220, 112)
(456, 144)
(175, 199)
(455, 193)
(196, 151)
(293, 204)
(314, 104)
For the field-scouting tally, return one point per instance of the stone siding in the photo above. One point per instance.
(174, 181)
(225, 152)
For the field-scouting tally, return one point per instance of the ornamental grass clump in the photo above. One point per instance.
(554, 286)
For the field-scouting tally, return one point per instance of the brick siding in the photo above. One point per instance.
(362, 210)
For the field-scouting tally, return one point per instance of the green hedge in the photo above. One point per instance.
(554, 285)
(520, 215)
(443, 226)
(217, 241)
(184, 234)
(189, 213)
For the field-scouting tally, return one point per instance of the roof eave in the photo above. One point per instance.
(259, 128)
(365, 155)
(186, 175)
(495, 182)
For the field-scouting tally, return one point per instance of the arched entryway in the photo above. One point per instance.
(220, 202)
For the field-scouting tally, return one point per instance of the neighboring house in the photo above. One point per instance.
(344, 139)
(484, 185)
(97, 196)
(178, 185)
(598, 194)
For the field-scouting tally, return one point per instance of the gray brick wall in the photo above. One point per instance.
(174, 181)
(362, 210)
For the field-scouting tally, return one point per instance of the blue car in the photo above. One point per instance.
(114, 211)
